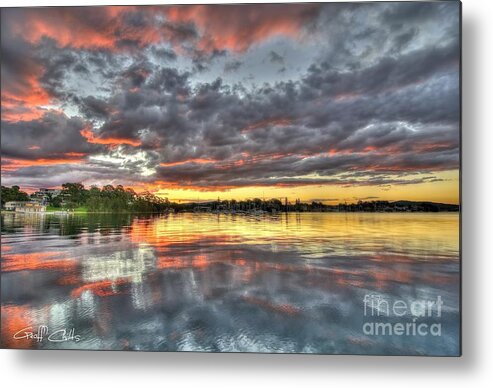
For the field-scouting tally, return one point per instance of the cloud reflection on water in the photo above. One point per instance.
(291, 283)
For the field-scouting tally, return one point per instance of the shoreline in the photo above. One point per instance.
(63, 213)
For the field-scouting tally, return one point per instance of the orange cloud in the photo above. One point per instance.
(395, 149)
(109, 28)
(112, 141)
(246, 24)
(70, 27)
(24, 101)
(277, 122)
(194, 160)
(434, 147)
(10, 164)
(187, 185)
(94, 28)
(75, 154)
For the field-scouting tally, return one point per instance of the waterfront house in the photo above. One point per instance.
(44, 196)
(12, 205)
(25, 207)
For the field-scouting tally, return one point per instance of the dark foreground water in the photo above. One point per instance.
(309, 282)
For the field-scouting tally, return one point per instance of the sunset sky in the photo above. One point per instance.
(332, 103)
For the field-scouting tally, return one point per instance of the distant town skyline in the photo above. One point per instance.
(329, 103)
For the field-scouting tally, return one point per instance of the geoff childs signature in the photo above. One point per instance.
(43, 332)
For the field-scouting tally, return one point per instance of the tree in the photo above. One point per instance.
(13, 194)
(56, 202)
(74, 194)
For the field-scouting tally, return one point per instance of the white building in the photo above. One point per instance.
(25, 207)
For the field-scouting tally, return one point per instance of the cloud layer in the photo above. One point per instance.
(212, 98)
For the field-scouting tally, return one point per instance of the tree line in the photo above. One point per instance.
(118, 199)
(110, 198)
(114, 199)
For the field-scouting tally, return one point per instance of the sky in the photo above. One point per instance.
(323, 102)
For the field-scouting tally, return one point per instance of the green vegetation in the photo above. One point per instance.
(110, 199)
(13, 194)
(53, 209)
(81, 209)
(74, 197)
(275, 205)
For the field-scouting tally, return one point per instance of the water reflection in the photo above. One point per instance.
(289, 283)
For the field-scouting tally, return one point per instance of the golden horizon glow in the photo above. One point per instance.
(445, 191)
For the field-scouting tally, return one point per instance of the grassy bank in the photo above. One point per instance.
(77, 210)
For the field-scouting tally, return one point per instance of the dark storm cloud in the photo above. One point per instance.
(402, 40)
(164, 54)
(412, 12)
(385, 76)
(16, 66)
(56, 175)
(94, 108)
(136, 75)
(211, 121)
(22, 92)
(53, 136)
(361, 169)
(274, 57)
(232, 66)
(378, 106)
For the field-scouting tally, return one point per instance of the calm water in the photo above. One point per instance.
(291, 283)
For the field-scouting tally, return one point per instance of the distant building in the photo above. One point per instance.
(53, 192)
(12, 205)
(25, 207)
(44, 195)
